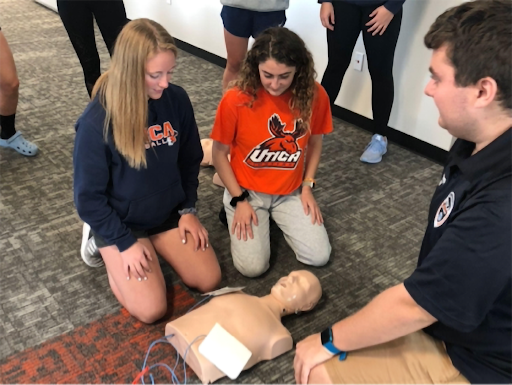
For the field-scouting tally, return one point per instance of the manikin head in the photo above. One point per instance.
(298, 291)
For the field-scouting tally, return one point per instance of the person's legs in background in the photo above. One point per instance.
(78, 20)
(340, 44)
(237, 30)
(9, 85)
(380, 50)
(239, 26)
(111, 18)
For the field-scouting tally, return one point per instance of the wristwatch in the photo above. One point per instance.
(309, 182)
(188, 210)
(326, 337)
(239, 198)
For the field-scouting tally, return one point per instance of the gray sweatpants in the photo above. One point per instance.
(308, 241)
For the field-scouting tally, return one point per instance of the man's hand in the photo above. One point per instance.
(381, 19)
(309, 353)
(327, 15)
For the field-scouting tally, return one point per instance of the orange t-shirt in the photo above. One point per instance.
(267, 143)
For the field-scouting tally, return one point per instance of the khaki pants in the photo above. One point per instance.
(413, 359)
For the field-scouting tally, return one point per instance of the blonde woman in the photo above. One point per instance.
(136, 162)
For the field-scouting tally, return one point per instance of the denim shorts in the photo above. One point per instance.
(246, 23)
(170, 223)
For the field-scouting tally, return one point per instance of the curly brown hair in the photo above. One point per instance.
(285, 47)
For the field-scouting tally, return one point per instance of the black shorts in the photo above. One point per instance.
(170, 223)
(246, 23)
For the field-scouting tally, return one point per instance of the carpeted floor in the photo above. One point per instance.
(58, 316)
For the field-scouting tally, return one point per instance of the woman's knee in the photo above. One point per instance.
(317, 256)
(149, 314)
(204, 283)
(234, 65)
(10, 85)
(252, 268)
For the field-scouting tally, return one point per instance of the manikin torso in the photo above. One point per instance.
(253, 321)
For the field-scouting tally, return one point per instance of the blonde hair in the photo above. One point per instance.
(122, 88)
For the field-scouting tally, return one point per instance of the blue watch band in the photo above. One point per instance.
(326, 337)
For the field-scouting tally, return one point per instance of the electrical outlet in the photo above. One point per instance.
(358, 61)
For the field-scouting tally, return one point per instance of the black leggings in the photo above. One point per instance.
(350, 20)
(77, 17)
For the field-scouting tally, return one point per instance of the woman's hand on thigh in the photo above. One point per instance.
(310, 206)
(135, 261)
(242, 226)
(190, 223)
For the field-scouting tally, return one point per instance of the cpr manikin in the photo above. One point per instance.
(207, 161)
(254, 321)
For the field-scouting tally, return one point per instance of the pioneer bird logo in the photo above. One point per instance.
(280, 151)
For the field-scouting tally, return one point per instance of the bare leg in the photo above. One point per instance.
(9, 85)
(9, 82)
(197, 269)
(145, 300)
(236, 48)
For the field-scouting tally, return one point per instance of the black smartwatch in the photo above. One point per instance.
(240, 198)
(326, 337)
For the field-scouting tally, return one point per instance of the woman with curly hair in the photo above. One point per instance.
(271, 123)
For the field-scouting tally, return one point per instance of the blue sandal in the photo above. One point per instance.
(18, 143)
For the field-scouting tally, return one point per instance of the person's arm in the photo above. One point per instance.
(390, 315)
(327, 14)
(382, 16)
(314, 151)
(244, 213)
(220, 152)
(394, 5)
(223, 135)
(191, 152)
(91, 162)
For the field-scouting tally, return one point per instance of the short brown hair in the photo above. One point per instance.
(478, 38)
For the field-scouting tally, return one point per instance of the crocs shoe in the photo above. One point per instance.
(373, 152)
(18, 143)
(88, 250)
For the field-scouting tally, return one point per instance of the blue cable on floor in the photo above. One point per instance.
(145, 369)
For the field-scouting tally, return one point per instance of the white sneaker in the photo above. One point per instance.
(88, 250)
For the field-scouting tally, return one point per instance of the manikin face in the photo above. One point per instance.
(299, 291)
(451, 100)
(159, 72)
(275, 77)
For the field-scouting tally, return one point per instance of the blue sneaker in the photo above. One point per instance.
(377, 147)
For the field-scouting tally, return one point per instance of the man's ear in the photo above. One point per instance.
(487, 89)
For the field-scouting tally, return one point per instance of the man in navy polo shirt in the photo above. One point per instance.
(450, 321)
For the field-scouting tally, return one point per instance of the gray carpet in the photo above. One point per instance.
(375, 214)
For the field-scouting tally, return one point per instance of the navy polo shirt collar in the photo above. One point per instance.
(495, 157)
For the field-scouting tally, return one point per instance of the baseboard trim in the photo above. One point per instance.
(201, 53)
(409, 142)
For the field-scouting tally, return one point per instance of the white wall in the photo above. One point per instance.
(52, 4)
(198, 22)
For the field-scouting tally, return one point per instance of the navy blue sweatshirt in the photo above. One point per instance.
(392, 5)
(113, 197)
